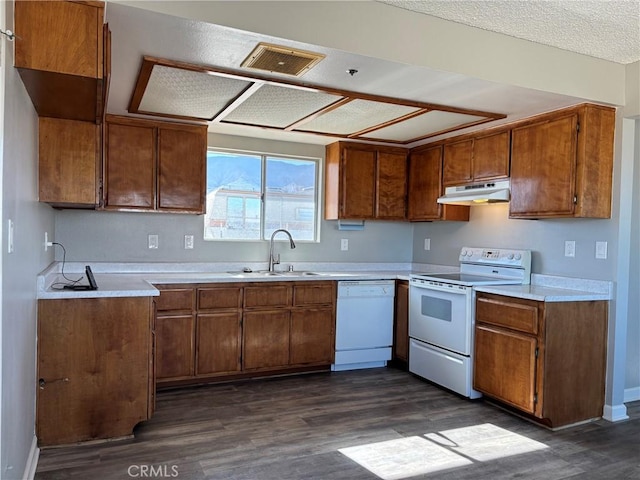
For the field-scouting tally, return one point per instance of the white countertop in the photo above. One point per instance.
(137, 280)
(542, 294)
(131, 280)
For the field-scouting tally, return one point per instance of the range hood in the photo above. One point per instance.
(477, 194)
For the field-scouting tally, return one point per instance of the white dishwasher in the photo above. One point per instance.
(364, 324)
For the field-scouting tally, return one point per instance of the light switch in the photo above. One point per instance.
(344, 244)
(601, 250)
(427, 244)
(9, 236)
(188, 242)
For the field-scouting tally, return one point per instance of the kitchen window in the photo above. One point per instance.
(250, 195)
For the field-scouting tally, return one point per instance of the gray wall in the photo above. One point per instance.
(122, 237)
(18, 142)
(489, 226)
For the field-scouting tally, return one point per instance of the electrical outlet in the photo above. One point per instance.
(153, 241)
(570, 248)
(427, 244)
(344, 244)
(601, 250)
(188, 242)
(47, 243)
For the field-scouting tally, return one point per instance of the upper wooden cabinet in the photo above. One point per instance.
(365, 182)
(476, 159)
(154, 166)
(68, 163)
(425, 186)
(62, 54)
(561, 164)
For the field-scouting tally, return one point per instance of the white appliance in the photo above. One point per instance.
(364, 324)
(477, 194)
(442, 314)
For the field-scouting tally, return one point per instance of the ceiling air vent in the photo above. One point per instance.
(278, 59)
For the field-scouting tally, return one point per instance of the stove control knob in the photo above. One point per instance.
(518, 256)
(510, 256)
(463, 253)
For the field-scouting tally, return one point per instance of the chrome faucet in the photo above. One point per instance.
(275, 260)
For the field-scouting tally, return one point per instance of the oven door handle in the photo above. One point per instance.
(454, 289)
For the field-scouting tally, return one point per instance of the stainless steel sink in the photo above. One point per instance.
(260, 273)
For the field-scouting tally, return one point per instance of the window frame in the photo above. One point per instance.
(264, 156)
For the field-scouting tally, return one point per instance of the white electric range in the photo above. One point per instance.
(442, 314)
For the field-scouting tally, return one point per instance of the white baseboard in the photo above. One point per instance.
(615, 413)
(631, 394)
(32, 461)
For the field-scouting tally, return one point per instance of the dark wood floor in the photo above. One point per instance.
(293, 428)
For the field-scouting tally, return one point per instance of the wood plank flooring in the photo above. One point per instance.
(294, 428)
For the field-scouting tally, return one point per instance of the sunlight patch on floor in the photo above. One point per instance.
(411, 456)
(404, 457)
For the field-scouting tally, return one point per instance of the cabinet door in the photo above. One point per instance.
(265, 339)
(68, 163)
(181, 169)
(312, 336)
(357, 185)
(130, 166)
(505, 366)
(543, 168)
(93, 368)
(401, 324)
(391, 186)
(491, 156)
(425, 170)
(60, 37)
(218, 343)
(456, 161)
(175, 346)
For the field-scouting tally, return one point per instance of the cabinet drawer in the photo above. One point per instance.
(520, 315)
(267, 296)
(314, 294)
(176, 299)
(219, 297)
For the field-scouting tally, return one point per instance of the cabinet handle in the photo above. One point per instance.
(42, 381)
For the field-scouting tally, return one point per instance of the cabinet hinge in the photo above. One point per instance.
(536, 352)
(535, 398)
(578, 127)
(575, 199)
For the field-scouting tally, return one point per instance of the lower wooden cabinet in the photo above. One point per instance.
(546, 359)
(401, 323)
(213, 331)
(95, 368)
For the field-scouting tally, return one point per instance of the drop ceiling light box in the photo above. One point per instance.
(194, 92)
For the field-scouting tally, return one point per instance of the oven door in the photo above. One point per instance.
(441, 315)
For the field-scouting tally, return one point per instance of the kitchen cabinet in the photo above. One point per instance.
(425, 186)
(69, 154)
(313, 323)
(95, 368)
(365, 181)
(154, 166)
(562, 163)
(175, 332)
(476, 159)
(219, 330)
(401, 323)
(207, 332)
(546, 359)
(62, 55)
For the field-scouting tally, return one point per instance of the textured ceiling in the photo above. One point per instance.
(606, 29)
